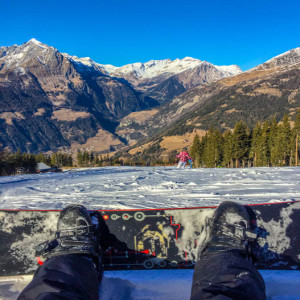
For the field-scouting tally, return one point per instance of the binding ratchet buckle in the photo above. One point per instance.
(238, 230)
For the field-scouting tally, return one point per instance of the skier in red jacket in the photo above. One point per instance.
(183, 158)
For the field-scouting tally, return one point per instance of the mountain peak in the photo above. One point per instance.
(287, 53)
(285, 59)
(34, 41)
(188, 58)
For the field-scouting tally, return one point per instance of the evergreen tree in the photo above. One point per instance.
(282, 150)
(203, 144)
(79, 158)
(296, 135)
(255, 144)
(228, 149)
(195, 151)
(213, 148)
(265, 157)
(85, 158)
(273, 141)
(92, 158)
(218, 147)
(70, 161)
(54, 159)
(241, 143)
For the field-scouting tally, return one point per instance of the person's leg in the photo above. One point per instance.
(179, 164)
(64, 277)
(223, 270)
(73, 267)
(226, 275)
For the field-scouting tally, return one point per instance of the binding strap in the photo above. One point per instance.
(238, 230)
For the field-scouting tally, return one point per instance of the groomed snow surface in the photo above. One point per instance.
(159, 187)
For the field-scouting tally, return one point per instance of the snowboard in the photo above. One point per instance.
(154, 238)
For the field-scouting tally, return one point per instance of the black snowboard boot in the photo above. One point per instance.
(78, 232)
(229, 230)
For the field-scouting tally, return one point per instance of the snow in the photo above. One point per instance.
(140, 70)
(17, 57)
(38, 43)
(232, 69)
(148, 187)
(287, 53)
(109, 68)
(155, 68)
(288, 58)
(34, 41)
(85, 62)
(124, 187)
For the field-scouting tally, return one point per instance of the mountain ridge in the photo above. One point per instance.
(166, 79)
(269, 90)
(51, 100)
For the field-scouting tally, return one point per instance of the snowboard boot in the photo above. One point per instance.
(78, 232)
(229, 230)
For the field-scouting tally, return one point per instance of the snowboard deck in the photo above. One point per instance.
(153, 238)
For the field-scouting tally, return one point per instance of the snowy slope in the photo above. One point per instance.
(137, 187)
(85, 62)
(142, 187)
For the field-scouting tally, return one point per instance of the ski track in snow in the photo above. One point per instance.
(142, 187)
(153, 187)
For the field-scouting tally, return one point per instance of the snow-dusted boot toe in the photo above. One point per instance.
(78, 232)
(228, 229)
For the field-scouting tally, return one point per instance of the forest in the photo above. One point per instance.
(270, 143)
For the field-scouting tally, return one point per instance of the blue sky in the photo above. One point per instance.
(224, 32)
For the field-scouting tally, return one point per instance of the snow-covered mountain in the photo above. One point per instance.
(166, 79)
(50, 100)
(286, 59)
(267, 91)
(85, 62)
(18, 56)
(154, 68)
(160, 79)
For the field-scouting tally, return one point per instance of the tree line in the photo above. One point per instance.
(14, 163)
(25, 163)
(269, 143)
(92, 159)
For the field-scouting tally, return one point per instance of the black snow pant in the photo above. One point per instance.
(222, 275)
(64, 277)
(227, 275)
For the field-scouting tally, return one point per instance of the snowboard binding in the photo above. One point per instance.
(78, 232)
(230, 229)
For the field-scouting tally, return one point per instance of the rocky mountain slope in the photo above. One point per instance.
(50, 100)
(270, 90)
(165, 79)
